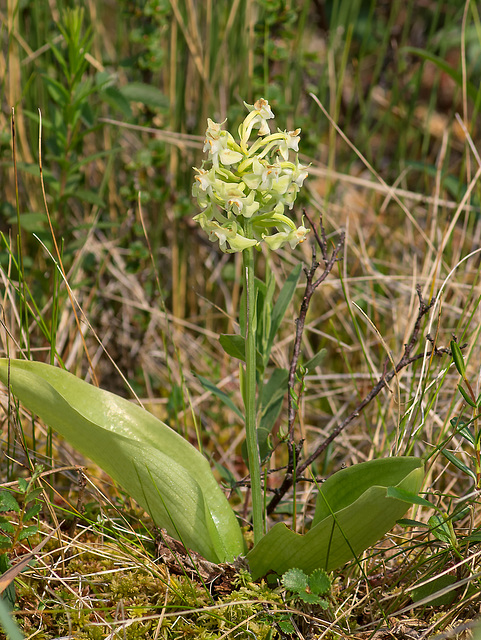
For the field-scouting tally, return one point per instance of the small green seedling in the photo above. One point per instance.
(308, 588)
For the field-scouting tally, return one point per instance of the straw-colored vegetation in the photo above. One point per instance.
(104, 272)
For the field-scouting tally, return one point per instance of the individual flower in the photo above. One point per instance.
(291, 141)
(260, 112)
(226, 234)
(293, 237)
(217, 144)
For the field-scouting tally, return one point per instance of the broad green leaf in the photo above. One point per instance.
(234, 345)
(32, 512)
(27, 532)
(295, 580)
(167, 476)
(280, 307)
(353, 512)
(319, 582)
(33, 495)
(7, 526)
(441, 530)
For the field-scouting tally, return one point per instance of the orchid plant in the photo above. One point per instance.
(243, 189)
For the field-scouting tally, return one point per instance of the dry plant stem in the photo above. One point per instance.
(311, 285)
(405, 361)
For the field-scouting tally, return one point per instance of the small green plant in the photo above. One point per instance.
(244, 190)
(19, 509)
(308, 588)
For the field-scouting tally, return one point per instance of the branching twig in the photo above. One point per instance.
(294, 450)
(311, 286)
(405, 361)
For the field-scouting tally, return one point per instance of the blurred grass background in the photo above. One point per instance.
(124, 89)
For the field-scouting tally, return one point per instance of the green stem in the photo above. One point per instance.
(250, 397)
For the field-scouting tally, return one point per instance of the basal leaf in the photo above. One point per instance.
(319, 582)
(295, 580)
(165, 474)
(353, 512)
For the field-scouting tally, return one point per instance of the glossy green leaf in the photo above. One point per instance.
(353, 512)
(167, 476)
(467, 397)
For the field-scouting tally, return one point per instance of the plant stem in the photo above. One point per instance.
(253, 455)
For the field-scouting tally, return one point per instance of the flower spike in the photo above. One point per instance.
(241, 183)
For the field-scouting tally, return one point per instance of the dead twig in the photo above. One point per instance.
(405, 360)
